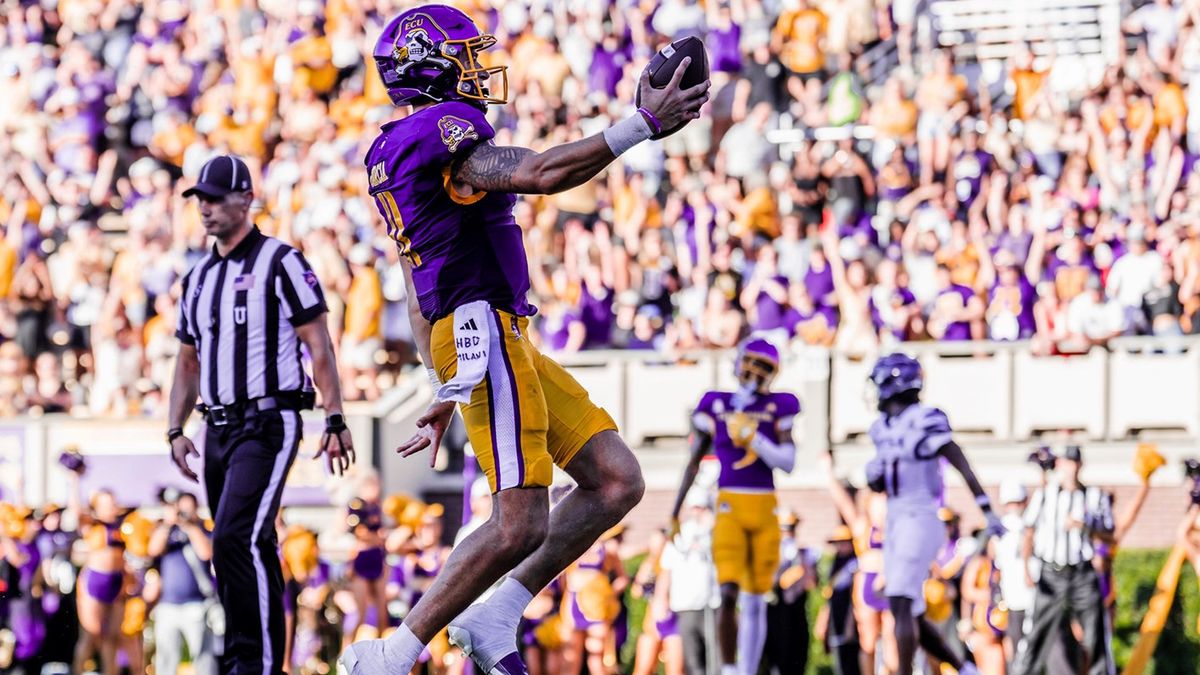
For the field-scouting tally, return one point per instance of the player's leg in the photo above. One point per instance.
(731, 554)
(516, 528)
(764, 541)
(608, 485)
(906, 632)
(506, 422)
(727, 628)
(581, 438)
(909, 549)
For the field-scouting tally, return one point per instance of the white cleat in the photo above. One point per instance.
(508, 663)
(363, 658)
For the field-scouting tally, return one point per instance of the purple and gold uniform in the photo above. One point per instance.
(746, 534)
(526, 413)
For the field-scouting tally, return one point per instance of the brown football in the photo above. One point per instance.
(664, 64)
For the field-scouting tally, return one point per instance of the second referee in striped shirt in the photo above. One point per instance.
(1061, 522)
(246, 309)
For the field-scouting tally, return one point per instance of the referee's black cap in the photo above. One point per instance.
(220, 176)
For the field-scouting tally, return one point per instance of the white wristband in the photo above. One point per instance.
(627, 133)
(433, 378)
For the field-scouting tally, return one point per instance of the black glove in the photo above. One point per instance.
(1196, 492)
(877, 475)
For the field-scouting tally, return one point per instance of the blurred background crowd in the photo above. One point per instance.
(924, 204)
(95, 586)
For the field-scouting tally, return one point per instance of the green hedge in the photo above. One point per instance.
(1178, 651)
(1137, 571)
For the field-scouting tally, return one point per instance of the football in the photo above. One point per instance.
(663, 65)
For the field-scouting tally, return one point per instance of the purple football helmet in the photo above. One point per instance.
(895, 374)
(431, 53)
(758, 363)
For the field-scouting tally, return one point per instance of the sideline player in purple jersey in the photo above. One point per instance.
(446, 193)
(910, 440)
(751, 432)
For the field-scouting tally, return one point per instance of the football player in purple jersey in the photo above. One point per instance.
(910, 441)
(446, 192)
(750, 431)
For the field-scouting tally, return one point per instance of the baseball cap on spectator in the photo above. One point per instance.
(220, 176)
(1013, 492)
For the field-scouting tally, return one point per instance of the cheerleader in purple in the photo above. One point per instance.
(660, 635)
(367, 557)
(101, 597)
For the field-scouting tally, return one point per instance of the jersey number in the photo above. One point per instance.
(395, 225)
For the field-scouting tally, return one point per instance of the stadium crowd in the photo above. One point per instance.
(1062, 216)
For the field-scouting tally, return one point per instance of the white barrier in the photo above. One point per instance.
(849, 413)
(1153, 391)
(660, 397)
(999, 391)
(605, 385)
(974, 391)
(1054, 393)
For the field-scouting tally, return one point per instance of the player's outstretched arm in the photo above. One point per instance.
(494, 168)
(954, 454)
(700, 443)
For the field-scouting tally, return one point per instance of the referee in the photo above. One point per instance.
(1060, 523)
(246, 309)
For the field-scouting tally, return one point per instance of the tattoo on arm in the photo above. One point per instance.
(493, 167)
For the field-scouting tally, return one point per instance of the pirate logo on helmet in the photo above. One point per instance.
(417, 46)
(455, 130)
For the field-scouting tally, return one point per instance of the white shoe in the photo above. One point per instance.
(363, 658)
(501, 661)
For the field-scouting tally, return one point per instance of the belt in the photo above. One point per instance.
(1085, 564)
(223, 415)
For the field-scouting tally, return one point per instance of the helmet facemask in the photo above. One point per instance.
(475, 80)
(757, 371)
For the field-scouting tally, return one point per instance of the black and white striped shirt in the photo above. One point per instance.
(239, 312)
(1050, 514)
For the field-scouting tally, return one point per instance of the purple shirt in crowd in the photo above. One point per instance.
(770, 313)
(958, 330)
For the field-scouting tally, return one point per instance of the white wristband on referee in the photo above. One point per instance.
(433, 378)
(627, 133)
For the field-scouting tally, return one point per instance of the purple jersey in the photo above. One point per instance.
(907, 447)
(740, 467)
(462, 249)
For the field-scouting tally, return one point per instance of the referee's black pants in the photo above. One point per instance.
(1074, 589)
(245, 466)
